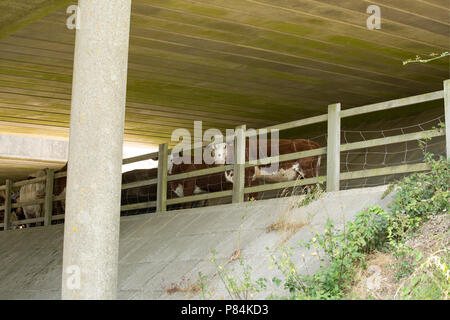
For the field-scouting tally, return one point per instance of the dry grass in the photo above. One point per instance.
(377, 280)
(236, 254)
(287, 223)
(286, 226)
(184, 286)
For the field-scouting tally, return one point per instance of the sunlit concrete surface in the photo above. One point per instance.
(157, 250)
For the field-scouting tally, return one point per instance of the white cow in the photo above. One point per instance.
(30, 192)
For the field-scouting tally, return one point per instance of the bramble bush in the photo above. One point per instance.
(342, 251)
(423, 194)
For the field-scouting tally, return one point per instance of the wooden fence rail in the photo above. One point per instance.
(332, 150)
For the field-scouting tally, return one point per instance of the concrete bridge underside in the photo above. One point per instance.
(228, 63)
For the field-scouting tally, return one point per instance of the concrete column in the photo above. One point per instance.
(91, 231)
(447, 115)
(333, 147)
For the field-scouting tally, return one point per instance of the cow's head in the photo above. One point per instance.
(40, 190)
(219, 151)
(38, 174)
(177, 188)
(229, 175)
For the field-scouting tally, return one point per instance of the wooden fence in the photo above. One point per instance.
(332, 150)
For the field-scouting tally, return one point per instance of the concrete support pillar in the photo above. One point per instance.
(447, 115)
(91, 231)
(334, 147)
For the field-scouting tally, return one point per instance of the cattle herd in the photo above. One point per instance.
(255, 175)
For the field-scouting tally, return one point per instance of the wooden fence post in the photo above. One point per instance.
(239, 165)
(161, 196)
(447, 115)
(48, 204)
(7, 216)
(333, 147)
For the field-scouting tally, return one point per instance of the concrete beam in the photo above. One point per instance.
(33, 148)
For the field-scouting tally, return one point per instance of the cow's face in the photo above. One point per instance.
(218, 152)
(229, 175)
(39, 190)
(178, 189)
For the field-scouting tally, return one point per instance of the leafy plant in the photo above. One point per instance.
(417, 197)
(339, 252)
(312, 193)
(431, 280)
(423, 194)
(202, 283)
(239, 288)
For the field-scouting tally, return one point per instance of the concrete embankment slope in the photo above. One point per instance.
(161, 251)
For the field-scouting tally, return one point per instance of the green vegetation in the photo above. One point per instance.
(239, 288)
(417, 272)
(342, 252)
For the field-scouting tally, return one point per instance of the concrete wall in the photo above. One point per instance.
(157, 250)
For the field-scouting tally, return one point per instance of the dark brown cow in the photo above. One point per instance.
(196, 185)
(139, 194)
(128, 196)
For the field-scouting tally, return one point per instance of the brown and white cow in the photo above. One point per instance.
(139, 194)
(285, 171)
(191, 186)
(196, 185)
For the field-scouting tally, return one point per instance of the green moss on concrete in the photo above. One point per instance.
(14, 15)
